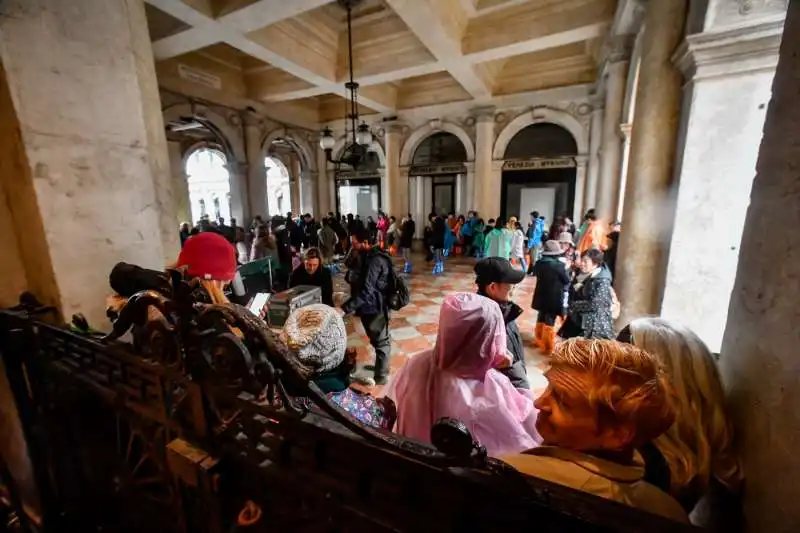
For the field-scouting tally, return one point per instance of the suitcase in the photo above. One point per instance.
(283, 303)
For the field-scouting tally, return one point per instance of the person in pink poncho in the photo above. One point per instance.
(458, 378)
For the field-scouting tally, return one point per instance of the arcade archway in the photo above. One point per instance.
(279, 192)
(539, 173)
(209, 184)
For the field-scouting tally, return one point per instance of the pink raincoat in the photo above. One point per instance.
(458, 379)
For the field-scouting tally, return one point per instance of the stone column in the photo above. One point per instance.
(595, 140)
(625, 130)
(491, 199)
(256, 170)
(649, 203)
(469, 187)
(427, 198)
(394, 200)
(295, 173)
(486, 190)
(420, 214)
(580, 205)
(237, 172)
(459, 207)
(608, 187)
(180, 185)
(82, 125)
(759, 363)
(326, 203)
(308, 189)
(403, 194)
(718, 150)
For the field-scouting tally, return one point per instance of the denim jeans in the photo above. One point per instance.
(377, 329)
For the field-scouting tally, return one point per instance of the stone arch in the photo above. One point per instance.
(421, 133)
(230, 136)
(307, 154)
(375, 146)
(536, 116)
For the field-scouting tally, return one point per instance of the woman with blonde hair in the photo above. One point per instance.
(698, 448)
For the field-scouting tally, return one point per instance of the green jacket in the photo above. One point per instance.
(498, 243)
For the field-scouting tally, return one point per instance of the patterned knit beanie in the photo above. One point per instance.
(315, 334)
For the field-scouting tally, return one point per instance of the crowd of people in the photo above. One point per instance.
(637, 417)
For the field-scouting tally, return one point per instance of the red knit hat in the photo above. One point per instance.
(208, 255)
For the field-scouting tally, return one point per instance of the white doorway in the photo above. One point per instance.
(541, 199)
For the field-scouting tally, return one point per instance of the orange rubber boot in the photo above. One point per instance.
(549, 336)
(538, 339)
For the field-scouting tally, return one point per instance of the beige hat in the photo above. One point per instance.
(552, 247)
(566, 236)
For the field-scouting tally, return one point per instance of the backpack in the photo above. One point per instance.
(397, 293)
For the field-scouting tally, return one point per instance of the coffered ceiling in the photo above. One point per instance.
(407, 53)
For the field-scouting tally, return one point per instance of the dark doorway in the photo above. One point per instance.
(444, 195)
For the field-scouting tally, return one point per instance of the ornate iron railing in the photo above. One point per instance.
(206, 434)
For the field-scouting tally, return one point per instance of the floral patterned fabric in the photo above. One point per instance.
(376, 412)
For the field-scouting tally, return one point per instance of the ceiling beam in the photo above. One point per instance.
(574, 35)
(230, 29)
(440, 25)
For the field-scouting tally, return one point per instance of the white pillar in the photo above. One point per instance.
(324, 198)
(625, 130)
(469, 187)
(427, 199)
(580, 205)
(459, 207)
(308, 186)
(486, 190)
(237, 173)
(725, 100)
(595, 140)
(420, 214)
(611, 156)
(256, 171)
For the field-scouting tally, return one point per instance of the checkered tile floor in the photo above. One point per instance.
(413, 328)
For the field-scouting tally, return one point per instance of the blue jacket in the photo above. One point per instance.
(535, 233)
(467, 228)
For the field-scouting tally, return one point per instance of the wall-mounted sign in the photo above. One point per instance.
(540, 163)
(350, 174)
(433, 170)
(199, 77)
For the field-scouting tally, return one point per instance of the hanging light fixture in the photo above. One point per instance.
(355, 153)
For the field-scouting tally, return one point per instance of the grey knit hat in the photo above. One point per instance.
(316, 335)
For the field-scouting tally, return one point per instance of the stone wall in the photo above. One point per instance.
(760, 364)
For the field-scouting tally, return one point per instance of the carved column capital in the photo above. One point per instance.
(236, 167)
(484, 114)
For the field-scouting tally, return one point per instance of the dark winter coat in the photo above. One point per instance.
(516, 373)
(591, 306)
(610, 255)
(368, 276)
(437, 235)
(321, 278)
(407, 233)
(551, 282)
